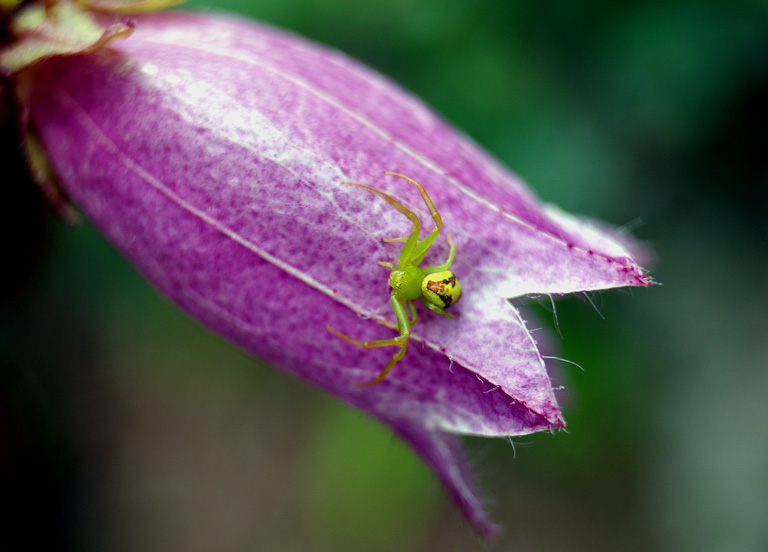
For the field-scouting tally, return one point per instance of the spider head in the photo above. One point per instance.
(407, 281)
(442, 289)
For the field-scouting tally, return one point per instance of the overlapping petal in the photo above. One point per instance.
(215, 154)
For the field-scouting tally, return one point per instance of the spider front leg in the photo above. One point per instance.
(412, 241)
(403, 325)
(414, 249)
(448, 263)
(414, 254)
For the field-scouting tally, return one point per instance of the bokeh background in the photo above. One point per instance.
(126, 426)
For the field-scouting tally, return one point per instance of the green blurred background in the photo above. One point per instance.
(126, 426)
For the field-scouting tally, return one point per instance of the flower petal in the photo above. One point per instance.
(215, 154)
(443, 452)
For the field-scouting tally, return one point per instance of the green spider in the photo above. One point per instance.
(436, 286)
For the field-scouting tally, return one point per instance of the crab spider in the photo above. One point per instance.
(436, 286)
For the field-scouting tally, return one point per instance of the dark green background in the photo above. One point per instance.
(125, 426)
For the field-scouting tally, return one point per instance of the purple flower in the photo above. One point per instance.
(214, 153)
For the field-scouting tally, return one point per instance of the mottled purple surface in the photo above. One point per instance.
(213, 152)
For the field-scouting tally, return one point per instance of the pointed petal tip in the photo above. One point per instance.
(637, 276)
(444, 454)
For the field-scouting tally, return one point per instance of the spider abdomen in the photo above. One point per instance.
(441, 288)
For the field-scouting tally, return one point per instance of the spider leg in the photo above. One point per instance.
(414, 314)
(438, 310)
(413, 319)
(403, 325)
(448, 263)
(383, 374)
(417, 254)
(368, 344)
(413, 239)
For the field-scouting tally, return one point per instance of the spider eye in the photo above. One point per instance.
(441, 289)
